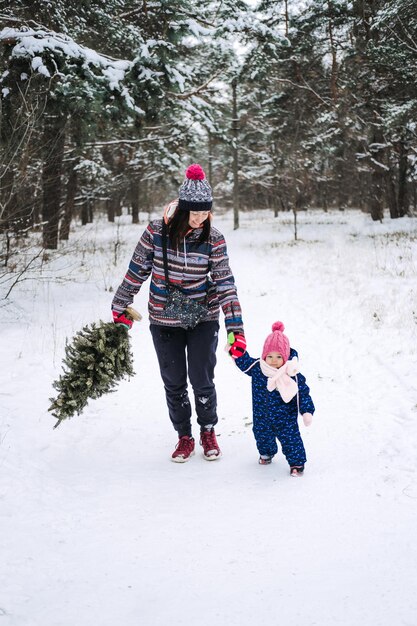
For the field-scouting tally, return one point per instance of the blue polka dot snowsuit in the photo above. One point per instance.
(273, 418)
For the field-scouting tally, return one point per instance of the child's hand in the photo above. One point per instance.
(237, 345)
(307, 419)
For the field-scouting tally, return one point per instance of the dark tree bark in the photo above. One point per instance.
(379, 170)
(391, 195)
(235, 131)
(118, 197)
(134, 200)
(114, 205)
(8, 142)
(69, 201)
(87, 211)
(53, 142)
(84, 212)
(403, 198)
(8, 200)
(110, 209)
(377, 210)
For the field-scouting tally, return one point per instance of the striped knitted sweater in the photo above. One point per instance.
(200, 270)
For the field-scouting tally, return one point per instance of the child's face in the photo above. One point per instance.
(274, 359)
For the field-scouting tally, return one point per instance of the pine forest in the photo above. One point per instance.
(287, 105)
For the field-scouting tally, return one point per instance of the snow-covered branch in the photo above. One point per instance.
(114, 142)
(32, 44)
(197, 90)
(326, 102)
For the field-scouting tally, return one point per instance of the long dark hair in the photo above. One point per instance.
(178, 227)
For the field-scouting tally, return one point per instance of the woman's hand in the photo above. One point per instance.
(237, 343)
(120, 318)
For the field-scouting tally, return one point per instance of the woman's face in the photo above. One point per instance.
(197, 218)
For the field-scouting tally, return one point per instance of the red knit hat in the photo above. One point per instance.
(277, 342)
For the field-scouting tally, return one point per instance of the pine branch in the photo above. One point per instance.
(194, 92)
(127, 141)
(305, 88)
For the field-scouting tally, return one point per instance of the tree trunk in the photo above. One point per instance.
(403, 198)
(53, 141)
(362, 185)
(379, 171)
(118, 204)
(69, 202)
(8, 147)
(114, 205)
(323, 195)
(210, 158)
(287, 18)
(110, 209)
(377, 212)
(134, 200)
(235, 130)
(25, 194)
(87, 211)
(84, 213)
(392, 197)
(342, 193)
(275, 201)
(335, 68)
(8, 199)
(91, 206)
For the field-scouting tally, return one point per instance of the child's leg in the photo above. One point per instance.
(289, 437)
(265, 436)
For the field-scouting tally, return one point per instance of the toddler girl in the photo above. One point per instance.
(279, 393)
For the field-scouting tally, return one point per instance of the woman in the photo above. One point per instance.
(190, 280)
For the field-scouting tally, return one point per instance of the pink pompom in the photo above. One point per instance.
(195, 172)
(278, 326)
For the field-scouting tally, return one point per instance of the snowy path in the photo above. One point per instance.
(97, 527)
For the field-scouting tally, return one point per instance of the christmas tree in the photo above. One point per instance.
(98, 357)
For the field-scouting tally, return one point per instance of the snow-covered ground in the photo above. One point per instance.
(99, 528)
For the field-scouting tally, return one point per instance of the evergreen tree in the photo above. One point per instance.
(129, 92)
(98, 357)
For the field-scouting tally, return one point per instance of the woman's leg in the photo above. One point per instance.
(201, 351)
(170, 346)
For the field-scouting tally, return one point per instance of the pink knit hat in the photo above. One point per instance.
(277, 342)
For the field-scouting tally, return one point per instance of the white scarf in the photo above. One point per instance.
(280, 379)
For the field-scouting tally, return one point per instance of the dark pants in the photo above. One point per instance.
(179, 349)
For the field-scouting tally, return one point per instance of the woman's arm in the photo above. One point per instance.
(225, 284)
(138, 271)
